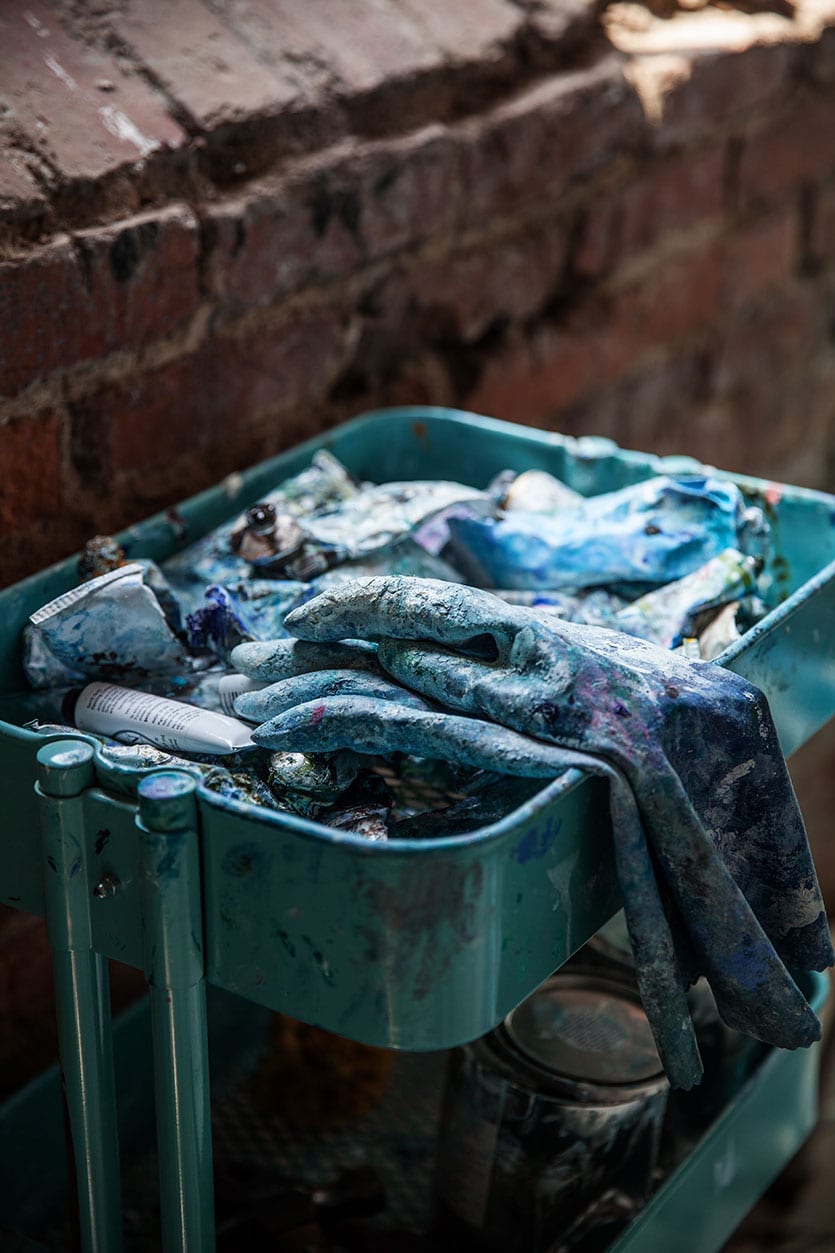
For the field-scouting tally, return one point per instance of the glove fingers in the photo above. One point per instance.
(455, 681)
(754, 991)
(408, 608)
(274, 660)
(656, 966)
(370, 725)
(318, 685)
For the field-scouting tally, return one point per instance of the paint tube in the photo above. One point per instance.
(112, 627)
(216, 690)
(252, 609)
(140, 717)
(654, 531)
(213, 690)
(217, 558)
(536, 491)
(666, 616)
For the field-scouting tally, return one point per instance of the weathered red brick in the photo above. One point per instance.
(198, 402)
(564, 22)
(482, 30)
(258, 370)
(19, 193)
(549, 135)
(821, 58)
(412, 188)
(757, 342)
(662, 307)
(672, 197)
(598, 246)
(475, 32)
(531, 379)
(679, 403)
(666, 198)
(201, 63)
(333, 214)
(119, 286)
(648, 409)
(37, 291)
(760, 256)
(463, 293)
(51, 82)
(798, 146)
(721, 85)
(822, 243)
(140, 279)
(356, 48)
(809, 408)
(765, 417)
(154, 418)
(285, 236)
(30, 470)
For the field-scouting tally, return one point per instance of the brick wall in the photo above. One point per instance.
(227, 224)
(218, 241)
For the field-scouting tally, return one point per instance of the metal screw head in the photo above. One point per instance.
(106, 887)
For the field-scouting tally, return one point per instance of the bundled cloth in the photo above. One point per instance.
(711, 851)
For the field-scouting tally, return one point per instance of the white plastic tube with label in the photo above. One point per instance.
(141, 718)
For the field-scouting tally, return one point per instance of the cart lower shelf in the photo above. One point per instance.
(706, 1195)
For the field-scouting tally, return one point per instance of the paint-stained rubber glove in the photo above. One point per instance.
(711, 851)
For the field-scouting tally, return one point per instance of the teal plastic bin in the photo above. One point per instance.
(412, 944)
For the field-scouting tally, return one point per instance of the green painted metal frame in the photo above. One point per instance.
(82, 999)
(413, 945)
(173, 934)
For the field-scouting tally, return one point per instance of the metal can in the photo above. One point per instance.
(562, 1102)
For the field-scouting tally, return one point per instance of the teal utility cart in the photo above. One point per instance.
(412, 945)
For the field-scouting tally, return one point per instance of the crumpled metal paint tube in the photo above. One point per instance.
(652, 532)
(217, 558)
(254, 609)
(321, 519)
(534, 491)
(665, 616)
(111, 628)
(379, 515)
(249, 610)
(710, 847)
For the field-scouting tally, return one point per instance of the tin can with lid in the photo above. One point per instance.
(562, 1102)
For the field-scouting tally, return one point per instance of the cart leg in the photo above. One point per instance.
(82, 998)
(172, 916)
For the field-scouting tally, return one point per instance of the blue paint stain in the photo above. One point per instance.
(536, 841)
(167, 866)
